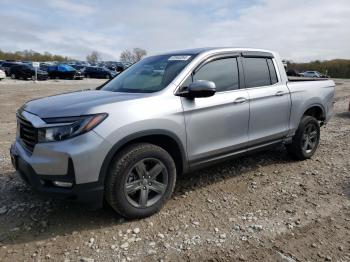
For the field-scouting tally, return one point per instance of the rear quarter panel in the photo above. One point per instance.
(306, 94)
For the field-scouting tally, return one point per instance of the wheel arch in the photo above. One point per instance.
(163, 138)
(315, 110)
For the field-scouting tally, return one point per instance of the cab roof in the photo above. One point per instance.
(196, 51)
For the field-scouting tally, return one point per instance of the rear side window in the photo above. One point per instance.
(256, 72)
(273, 74)
(223, 72)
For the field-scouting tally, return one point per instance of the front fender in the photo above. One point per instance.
(135, 136)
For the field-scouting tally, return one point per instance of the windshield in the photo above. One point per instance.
(151, 74)
(65, 68)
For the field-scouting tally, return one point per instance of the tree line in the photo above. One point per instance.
(30, 55)
(126, 56)
(336, 68)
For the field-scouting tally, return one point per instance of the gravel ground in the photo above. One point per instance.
(265, 207)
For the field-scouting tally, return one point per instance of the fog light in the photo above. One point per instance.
(62, 184)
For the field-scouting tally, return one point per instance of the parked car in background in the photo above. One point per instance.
(99, 72)
(25, 71)
(114, 66)
(63, 71)
(80, 68)
(44, 66)
(312, 74)
(126, 65)
(293, 72)
(2, 75)
(324, 76)
(7, 65)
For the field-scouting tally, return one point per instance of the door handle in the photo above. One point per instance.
(240, 100)
(280, 93)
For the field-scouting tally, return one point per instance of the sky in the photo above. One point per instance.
(300, 30)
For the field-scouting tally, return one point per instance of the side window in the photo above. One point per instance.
(256, 72)
(223, 72)
(272, 70)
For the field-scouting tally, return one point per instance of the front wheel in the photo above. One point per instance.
(306, 139)
(140, 180)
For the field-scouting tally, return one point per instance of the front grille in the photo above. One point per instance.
(27, 133)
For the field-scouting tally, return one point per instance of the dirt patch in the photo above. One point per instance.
(265, 207)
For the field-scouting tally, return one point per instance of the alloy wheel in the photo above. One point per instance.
(146, 183)
(310, 138)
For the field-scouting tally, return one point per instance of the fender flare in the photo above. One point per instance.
(314, 105)
(134, 136)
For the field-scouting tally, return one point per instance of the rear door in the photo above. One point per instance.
(269, 100)
(216, 126)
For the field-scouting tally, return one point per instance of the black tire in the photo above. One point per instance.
(124, 172)
(13, 76)
(304, 144)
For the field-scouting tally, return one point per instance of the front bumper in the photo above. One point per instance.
(78, 76)
(43, 77)
(90, 194)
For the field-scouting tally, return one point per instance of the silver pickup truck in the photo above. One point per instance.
(166, 115)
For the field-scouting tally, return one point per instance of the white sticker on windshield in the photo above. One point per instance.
(179, 57)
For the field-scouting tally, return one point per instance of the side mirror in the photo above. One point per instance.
(200, 88)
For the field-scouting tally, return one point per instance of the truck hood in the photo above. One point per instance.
(75, 103)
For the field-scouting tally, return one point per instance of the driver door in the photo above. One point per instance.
(216, 126)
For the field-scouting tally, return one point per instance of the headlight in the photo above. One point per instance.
(68, 127)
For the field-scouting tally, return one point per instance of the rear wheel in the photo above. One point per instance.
(13, 76)
(306, 139)
(141, 179)
(108, 76)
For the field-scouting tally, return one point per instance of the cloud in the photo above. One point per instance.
(70, 7)
(299, 30)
